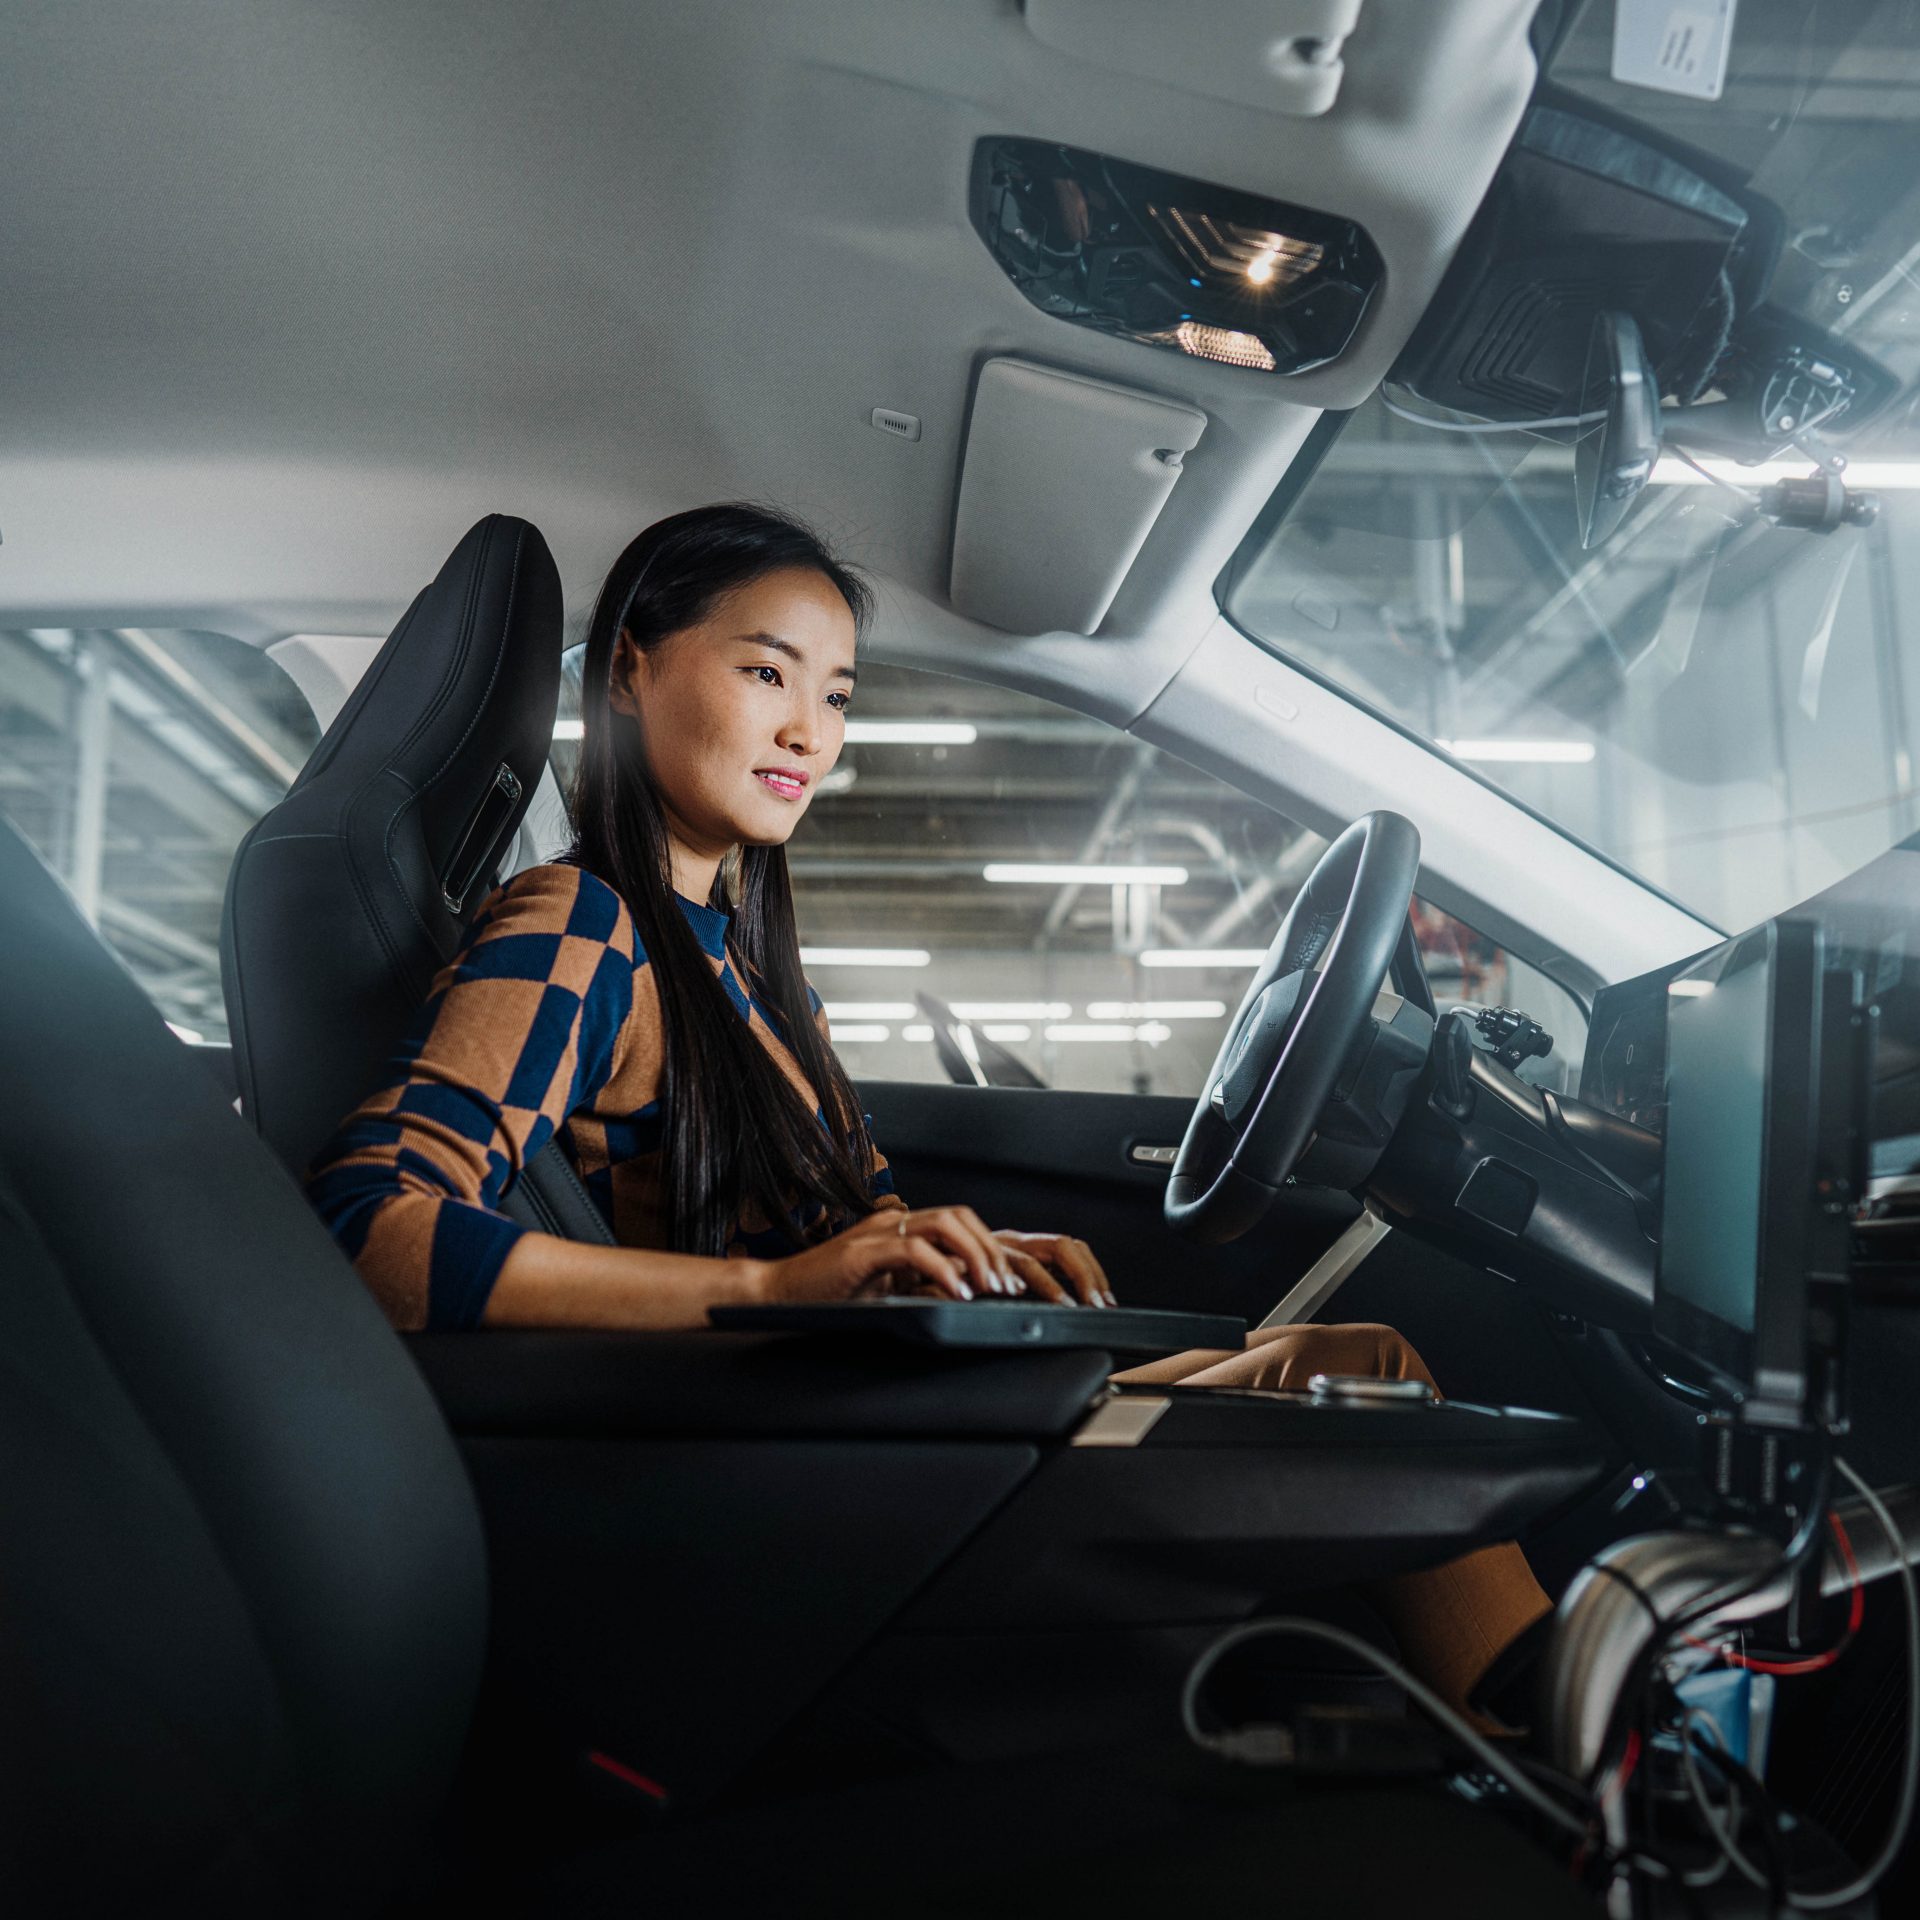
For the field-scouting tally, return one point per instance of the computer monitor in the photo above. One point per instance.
(1763, 1143)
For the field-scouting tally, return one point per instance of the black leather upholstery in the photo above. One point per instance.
(242, 1585)
(346, 899)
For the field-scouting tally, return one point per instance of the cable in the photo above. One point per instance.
(1641, 1597)
(1633, 1691)
(1869, 1877)
(1475, 1742)
(1724, 1837)
(1810, 1663)
(1745, 494)
(1488, 426)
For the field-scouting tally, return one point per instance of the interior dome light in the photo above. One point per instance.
(1171, 262)
(1217, 343)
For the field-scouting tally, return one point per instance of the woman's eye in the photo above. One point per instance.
(839, 701)
(769, 676)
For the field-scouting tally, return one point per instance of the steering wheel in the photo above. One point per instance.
(1301, 1016)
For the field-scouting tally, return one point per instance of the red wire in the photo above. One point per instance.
(1818, 1662)
(1857, 1609)
(1628, 1761)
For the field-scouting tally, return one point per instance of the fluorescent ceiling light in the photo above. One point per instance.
(1072, 875)
(871, 1010)
(911, 733)
(1012, 1010)
(1156, 1009)
(569, 729)
(857, 1032)
(1545, 753)
(1152, 1033)
(1235, 957)
(191, 1036)
(920, 1030)
(1690, 989)
(1890, 476)
(864, 956)
(1015, 1031)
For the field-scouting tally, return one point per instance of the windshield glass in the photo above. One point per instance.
(1722, 704)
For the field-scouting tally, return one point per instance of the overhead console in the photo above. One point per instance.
(1183, 265)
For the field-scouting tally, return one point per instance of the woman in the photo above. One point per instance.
(642, 1000)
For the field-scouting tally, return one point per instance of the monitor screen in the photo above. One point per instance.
(1764, 1078)
(1716, 1099)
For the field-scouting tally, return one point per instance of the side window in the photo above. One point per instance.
(134, 760)
(1465, 967)
(994, 889)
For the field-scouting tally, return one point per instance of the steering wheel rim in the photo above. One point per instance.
(1302, 1012)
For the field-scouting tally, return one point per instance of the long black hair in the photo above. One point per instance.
(737, 1139)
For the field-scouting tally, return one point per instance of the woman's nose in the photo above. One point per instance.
(799, 736)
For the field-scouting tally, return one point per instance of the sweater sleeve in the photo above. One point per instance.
(525, 1023)
(879, 1175)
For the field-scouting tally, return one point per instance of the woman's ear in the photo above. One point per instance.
(621, 675)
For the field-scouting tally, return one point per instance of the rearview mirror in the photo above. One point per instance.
(1614, 456)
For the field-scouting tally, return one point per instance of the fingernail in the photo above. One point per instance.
(993, 1283)
(966, 1292)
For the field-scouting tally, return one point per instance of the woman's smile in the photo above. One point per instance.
(788, 782)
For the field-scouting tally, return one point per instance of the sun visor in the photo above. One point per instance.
(1062, 482)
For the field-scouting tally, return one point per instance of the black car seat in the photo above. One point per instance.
(347, 898)
(242, 1585)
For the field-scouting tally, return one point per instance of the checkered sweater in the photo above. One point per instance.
(546, 1025)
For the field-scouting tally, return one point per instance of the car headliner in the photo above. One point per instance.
(294, 292)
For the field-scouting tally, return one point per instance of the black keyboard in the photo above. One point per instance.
(995, 1323)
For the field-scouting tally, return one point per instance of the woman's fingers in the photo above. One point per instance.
(996, 1254)
(919, 1254)
(954, 1251)
(961, 1232)
(1040, 1284)
(1074, 1258)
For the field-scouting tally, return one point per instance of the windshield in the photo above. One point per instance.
(1723, 705)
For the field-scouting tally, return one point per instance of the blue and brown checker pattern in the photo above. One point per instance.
(546, 1023)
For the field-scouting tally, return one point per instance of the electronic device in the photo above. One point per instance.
(1763, 1095)
(1624, 1071)
(994, 1323)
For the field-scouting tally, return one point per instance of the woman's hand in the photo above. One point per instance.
(1058, 1268)
(946, 1251)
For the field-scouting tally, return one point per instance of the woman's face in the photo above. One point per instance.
(744, 712)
